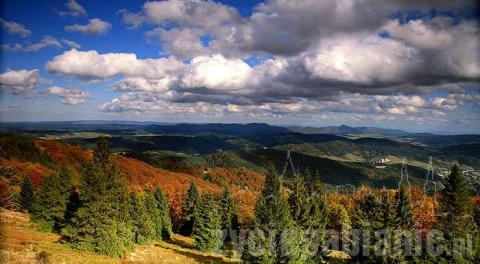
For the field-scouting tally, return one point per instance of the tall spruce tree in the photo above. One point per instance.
(227, 210)
(189, 203)
(368, 217)
(454, 218)
(401, 228)
(207, 229)
(404, 214)
(142, 225)
(164, 209)
(276, 237)
(72, 206)
(26, 194)
(389, 210)
(101, 223)
(154, 213)
(309, 211)
(50, 204)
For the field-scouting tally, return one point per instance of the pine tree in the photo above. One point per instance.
(227, 210)
(154, 213)
(308, 210)
(207, 229)
(400, 226)
(26, 194)
(454, 217)
(389, 210)
(189, 203)
(301, 203)
(279, 237)
(271, 209)
(164, 209)
(404, 215)
(368, 217)
(73, 204)
(142, 225)
(51, 200)
(101, 223)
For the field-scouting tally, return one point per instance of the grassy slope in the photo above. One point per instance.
(21, 243)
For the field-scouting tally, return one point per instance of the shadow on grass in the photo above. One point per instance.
(182, 246)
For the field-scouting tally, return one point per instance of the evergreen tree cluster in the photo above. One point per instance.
(274, 237)
(100, 214)
(207, 228)
(208, 219)
(277, 232)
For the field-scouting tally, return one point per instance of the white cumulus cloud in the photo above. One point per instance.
(69, 96)
(20, 81)
(15, 28)
(95, 26)
(74, 9)
(90, 65)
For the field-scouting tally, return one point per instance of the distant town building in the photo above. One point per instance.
(379, 161)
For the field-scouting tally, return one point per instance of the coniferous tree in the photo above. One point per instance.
(101, 223)
(308, 210)
(142, 225)
(389, 210)
(51, 200)
(73, 204)
(454, 218)
(207, 229)
(154, 213)
(189, 203)
(401, 227)
(276, 237)
(26, 194)
(404, 215)
(227, 210)
(301, 203)
(164, 209)
(367, 217)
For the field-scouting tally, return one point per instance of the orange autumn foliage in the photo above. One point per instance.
(71, 156)
(241, 178)
(245, 201)
(244, 185)
(141, 175)
(35, 171)
(424, 210)
(476, 200)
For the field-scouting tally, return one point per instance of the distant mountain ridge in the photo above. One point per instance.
(344, 130)
(192, 128)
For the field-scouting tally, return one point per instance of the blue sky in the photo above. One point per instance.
(414, 66)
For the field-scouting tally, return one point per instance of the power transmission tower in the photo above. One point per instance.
(287, 163)
(430, 185)
(404, 179)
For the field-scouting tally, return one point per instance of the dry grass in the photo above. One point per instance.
(21, 243)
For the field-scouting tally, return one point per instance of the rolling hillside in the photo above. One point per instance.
(140, 175)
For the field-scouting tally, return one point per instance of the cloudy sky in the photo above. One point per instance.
(413, 65)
